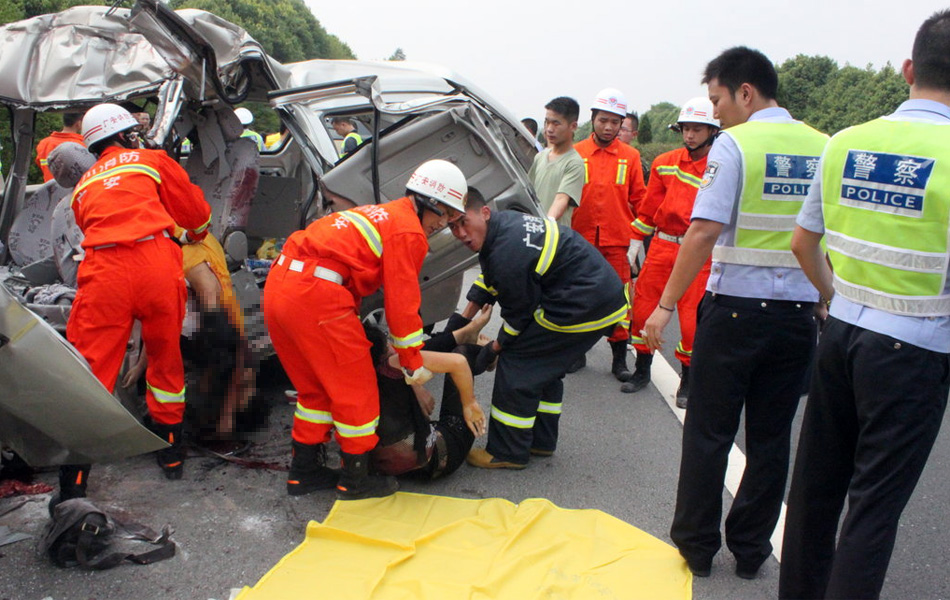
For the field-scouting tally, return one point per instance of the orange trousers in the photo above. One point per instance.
(617, 257)
(118, 285)
(316, 330)
(649, 287)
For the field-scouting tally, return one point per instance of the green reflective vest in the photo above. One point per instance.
(351, 135)
(778, 163)
(256, 137)
(886, 204)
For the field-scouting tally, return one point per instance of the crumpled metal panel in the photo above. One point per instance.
(53, 410)
(78, 55)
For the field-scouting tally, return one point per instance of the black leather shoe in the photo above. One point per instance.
(747, 570)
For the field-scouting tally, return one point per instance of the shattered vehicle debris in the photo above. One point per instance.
(189, 70)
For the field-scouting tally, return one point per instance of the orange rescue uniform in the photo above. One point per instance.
(47, 145)
(665, 214)
(613, 190)
(127, 205)
(311, 304)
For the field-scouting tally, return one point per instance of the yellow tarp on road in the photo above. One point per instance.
(414, 546)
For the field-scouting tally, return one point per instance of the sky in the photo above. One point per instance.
(525, 52)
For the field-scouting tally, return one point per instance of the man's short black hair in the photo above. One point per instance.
(72, 117)
(474, 200)
(633, 116)
(531, 125)
(931, 53)
(566, 107)
(741, 65)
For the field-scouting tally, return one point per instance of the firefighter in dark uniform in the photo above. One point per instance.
(558, 296)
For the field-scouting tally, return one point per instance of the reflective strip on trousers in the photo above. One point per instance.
(681, 350)
(166, 397)
(550, 408)
(755, 257)
(366, 229)
(352, 431)
(320, 417)
(511, 420)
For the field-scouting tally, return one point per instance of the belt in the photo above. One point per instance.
(319, 272)
(144, 239)
(758, 303)
(676, 239)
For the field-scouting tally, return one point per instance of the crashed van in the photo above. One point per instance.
(189, 70)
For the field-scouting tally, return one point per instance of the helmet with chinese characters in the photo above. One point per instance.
(441, 181)
(105, 120)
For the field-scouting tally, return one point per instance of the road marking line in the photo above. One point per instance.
(666, 380)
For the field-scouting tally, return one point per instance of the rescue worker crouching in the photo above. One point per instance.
(311, 305)
(665, 213)
(127, 205)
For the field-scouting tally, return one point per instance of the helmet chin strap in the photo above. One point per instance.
(708, 142)
(423, 204)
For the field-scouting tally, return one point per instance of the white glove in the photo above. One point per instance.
(184, 238)
(633, 251)
(417, 377)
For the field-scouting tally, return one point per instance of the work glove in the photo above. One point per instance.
(486, 359)
(417, 377)
(632, 252)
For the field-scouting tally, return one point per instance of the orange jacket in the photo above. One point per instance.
(668, 205)
(613, 189)
(396, 266)
(131, 194)
(46, 146)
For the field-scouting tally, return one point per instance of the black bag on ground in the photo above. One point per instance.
(80, 534)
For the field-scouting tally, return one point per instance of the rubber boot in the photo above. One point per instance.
(356, 483)
(171, 460)
(309, 471)
(72, 484)
(619, 366)
(682, 392)
(641, 374)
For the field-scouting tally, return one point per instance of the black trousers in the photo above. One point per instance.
(529, 387)
(873, 414)
(751, 352)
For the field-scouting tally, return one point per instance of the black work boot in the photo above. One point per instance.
(309, 471)
(72, 484)
(682, 392)
(171, 460)
(619, 366)
(641, 374)
(356, 483)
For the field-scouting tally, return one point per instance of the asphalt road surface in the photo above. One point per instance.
(618, 453)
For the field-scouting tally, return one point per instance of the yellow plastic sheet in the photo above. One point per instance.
(412, 546)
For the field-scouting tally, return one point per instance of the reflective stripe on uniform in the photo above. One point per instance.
(899, 305)
(755, 257)
(511, 420)
(408, 341)
(681, 350)
(551, 408)
(367, 230)
(480, 282)
(551, 237)
(165, 397)
(509, 329)
(611, 319)
(119, 170)
(766, 222)
(586, 172)
(683, 176)
(352, 431)
(621, 171)
(643, 227)
(322, 417)
(888, 256)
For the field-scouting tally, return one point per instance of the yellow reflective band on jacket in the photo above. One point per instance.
(44, 162)
(643, 227)
(408, 341)
(550, 408)
(367, 230)
(509, 329)
(681, 350)
(164, 397)
(683, 176)
(313, 416)
(586, 172)
(120, 170)
(511, 420)
(352, 431)
(551, 237)
(621, 171)
(203, 227)
(480, 282)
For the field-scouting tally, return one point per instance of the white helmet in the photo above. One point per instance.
(244, 116)
(105, 120)
(698, 110)
(611, 100)
(441, 181)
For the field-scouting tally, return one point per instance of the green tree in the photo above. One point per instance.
(801, 82)
(645, 133)
(660, 115)
(397, 55)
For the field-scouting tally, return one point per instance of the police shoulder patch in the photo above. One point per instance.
(711, 170)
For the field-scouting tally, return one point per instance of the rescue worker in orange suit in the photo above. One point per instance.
(71, 132)
(613, 190)
(311, 304)
(127, 205)
(674, 180)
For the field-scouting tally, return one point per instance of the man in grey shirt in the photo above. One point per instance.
(558, 171)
